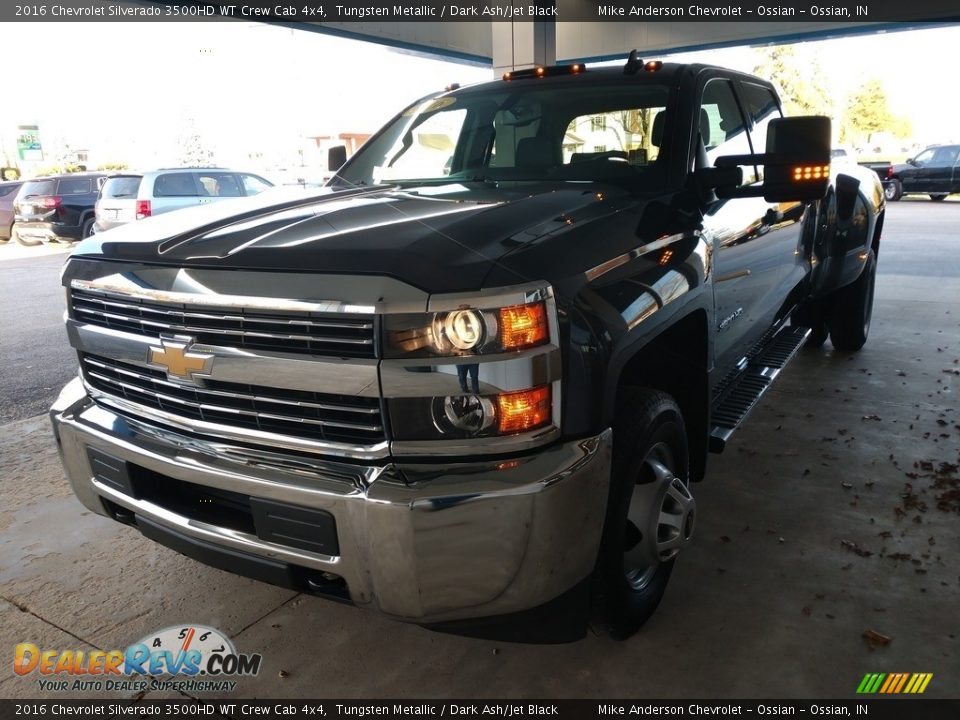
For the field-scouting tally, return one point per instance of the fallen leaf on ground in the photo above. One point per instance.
(875, 639)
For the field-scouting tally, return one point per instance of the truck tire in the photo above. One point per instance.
(650, 512)
(812, 314)
(937, 197)
(893, 190)
(87, 229)
(852, 309)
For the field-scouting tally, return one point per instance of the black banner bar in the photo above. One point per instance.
(367, 11)
(868, 707)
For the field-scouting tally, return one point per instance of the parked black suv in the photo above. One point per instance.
(56, 208)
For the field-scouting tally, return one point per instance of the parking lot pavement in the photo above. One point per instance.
(830, 514)
(13, 250)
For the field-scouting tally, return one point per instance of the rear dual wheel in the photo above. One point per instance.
(853, 309)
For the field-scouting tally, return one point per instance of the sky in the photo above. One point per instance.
(253, 91)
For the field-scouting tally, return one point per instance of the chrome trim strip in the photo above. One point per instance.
(234, 411)
(332, 376)
(217, 534)
(103, 286)
(220, 393)
(195, 330)
(615, 262)
(474, 447)
(435, 377)
(232, 318)
(492, 298)
(275, 440)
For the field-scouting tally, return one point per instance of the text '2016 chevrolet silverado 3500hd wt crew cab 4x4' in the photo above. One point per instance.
(480, 370)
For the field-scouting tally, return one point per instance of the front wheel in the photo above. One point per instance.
(893, 190)
(650, 513)
(853, 309)
(937, 197)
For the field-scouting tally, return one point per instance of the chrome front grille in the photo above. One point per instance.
(291, 332)
(292, 413)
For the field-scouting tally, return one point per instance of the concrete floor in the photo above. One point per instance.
(808, 535)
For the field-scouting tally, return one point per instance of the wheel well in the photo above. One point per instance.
(676, 363)
(877, 230)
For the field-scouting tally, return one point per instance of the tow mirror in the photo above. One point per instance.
(336, 157)
(796, 164)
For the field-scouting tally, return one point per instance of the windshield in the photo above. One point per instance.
(605, 131)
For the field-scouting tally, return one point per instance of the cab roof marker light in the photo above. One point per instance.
(541, 71)
(653, 65)
(452, 86)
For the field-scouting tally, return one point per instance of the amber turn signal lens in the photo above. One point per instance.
(523, 326)
(814, 172)
(524, 410)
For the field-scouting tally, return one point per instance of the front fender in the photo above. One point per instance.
(847, 224)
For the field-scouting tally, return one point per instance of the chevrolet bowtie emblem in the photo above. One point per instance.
(180, 363)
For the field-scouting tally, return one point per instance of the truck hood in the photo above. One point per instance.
(438, 238)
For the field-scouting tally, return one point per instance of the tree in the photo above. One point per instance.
(801, 89)
(868, 111)
(193, 149)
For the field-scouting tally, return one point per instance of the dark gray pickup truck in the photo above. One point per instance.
(935, 171)
(481, 372)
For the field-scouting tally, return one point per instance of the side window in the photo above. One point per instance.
(924, 158)
(722, 129)
(175, 185)
(944, 157)
(762, 107)
(218, 184)
(74, 186)
(253, 185)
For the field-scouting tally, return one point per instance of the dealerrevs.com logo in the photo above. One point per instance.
(186, 658)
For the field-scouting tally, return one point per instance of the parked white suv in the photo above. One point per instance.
(134, 196)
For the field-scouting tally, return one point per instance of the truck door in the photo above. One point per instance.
(939, 176)
(914, 178)
(745, 236)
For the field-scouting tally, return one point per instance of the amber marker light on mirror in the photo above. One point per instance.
(524, 410)
(811, 172)
(523, 326)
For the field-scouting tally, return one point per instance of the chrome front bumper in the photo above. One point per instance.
(420, 541)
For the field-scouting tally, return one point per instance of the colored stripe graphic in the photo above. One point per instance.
(894, 683)
(875, 685)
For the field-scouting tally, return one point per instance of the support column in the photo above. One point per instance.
(523, 43)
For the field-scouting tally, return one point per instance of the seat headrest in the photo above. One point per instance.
(656, 132)
(535, 152)
(705, 127)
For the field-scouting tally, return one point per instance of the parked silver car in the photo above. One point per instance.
(134, 196)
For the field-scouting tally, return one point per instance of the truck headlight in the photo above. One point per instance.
(466, 331)
(457, 417)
